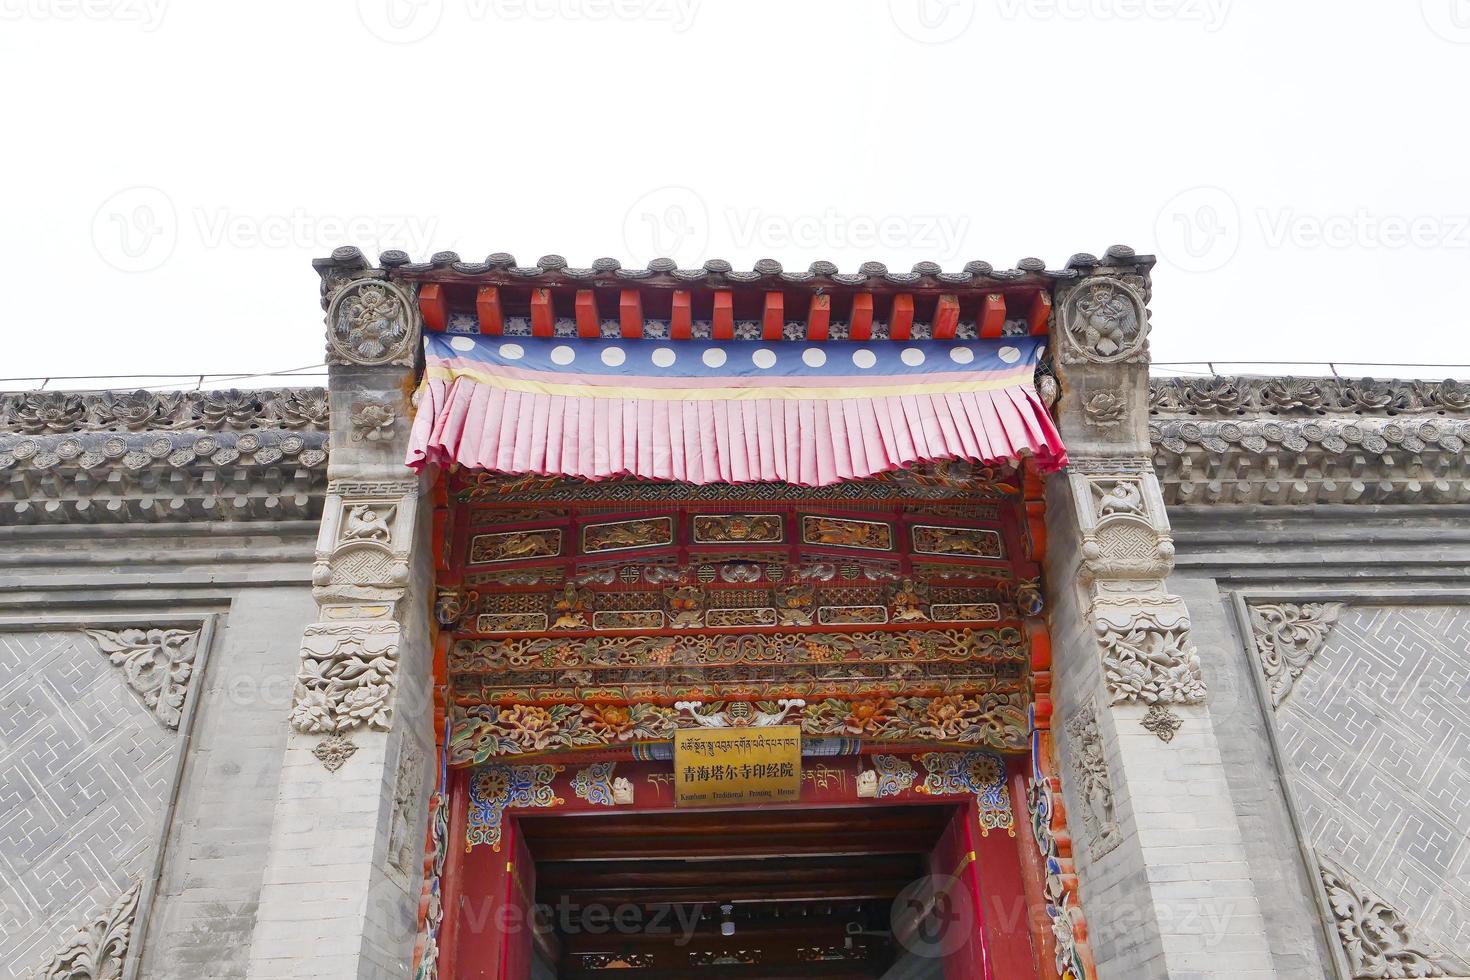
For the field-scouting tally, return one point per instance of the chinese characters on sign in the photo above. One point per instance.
(714, 767)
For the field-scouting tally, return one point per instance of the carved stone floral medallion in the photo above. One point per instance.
(157, 664)
(334, 751)
(371, 322)
(1162, 722)
(1105, 408)
(1104, 320)
(1378, 942)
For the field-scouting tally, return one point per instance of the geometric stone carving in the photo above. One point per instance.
(347, 676)
(1104, 320)
(1377, 940)
(1090, 779)
(1147, 655)
(334, 751)
(99, 950)
(1162, 722)
(157, 665)
(371, 322)
(1288, 636)
(1121, 538)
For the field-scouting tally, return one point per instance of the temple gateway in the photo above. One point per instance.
(720, 623)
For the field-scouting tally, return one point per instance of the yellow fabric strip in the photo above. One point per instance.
(716, 394)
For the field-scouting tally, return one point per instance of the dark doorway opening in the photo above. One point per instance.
(751, 894)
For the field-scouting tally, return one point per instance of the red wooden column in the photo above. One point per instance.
(451, 884)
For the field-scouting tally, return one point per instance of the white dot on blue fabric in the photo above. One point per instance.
(814, 357)
(563, 355)
(613, 356)
(461, 343)
(961, 355)
(512, 352)
(663, 357)
(763, 359)
(912, 356)
(714, 357)
(1009, 354)
(864, 358)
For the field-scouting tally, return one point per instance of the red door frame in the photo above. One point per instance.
(486, 889)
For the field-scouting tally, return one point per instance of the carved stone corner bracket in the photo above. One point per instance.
(363, 555)
(1147, 654)
(1104, 320)
(101, 947)
(1378, 942)
(1091, 780)
(371, 322)
(1288, 636)
(157, 666)
(347, 678)
(1121, 536)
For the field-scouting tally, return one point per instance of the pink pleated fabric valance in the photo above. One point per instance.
(727, 411)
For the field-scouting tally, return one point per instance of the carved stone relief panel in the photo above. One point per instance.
(1104, 320)
(89, 741)
(371, 322)
(1089, 775)
(1375, 740)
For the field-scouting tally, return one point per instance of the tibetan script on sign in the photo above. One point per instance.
(725, 766)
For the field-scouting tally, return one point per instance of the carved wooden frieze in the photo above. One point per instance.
(515, 545)
(838, 532)
(648, 532)
(737, 529)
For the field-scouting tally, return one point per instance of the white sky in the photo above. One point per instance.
(171, 167)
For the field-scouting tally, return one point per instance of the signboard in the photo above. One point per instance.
(725, 766)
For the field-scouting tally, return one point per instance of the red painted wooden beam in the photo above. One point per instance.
(1040, 313)
(543, 316)
(774, 317)
(487, 305)
(682, 320)
(630, 313)
(434, 306)
(901, 322)
(946, 316)
(589, 324)
(723, 327)
(992, 316)
(818, 317)
(860, 326)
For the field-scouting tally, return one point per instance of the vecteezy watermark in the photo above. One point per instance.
(675, 222)
(938, 21)
(1363, 229)
(932, 21)
(138, 228)
(934, 916)
(1210, 14)
(1198, 230)
(669, 222)
(148, 14)
(407, 21)
(1450, 19)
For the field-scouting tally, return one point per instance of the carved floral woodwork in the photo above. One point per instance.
(371, 322)
(1378, 942)
(1103, 319)
(431, 903)
(100, 949)
(1288, 635)
(978, 774)
(1091, 780)
(157, 665)
(494, 789)
(482, 732)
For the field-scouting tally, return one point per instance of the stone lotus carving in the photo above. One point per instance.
(100, 948)
(371, 322)
(1287, 637)
(1105, 409)
(1147, 655)
(51, 412)
(1375, 937)
(347, 677)
(373, 421)
(1091, 780)
(157, 664)
(1103, 319)
(1227, 396)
